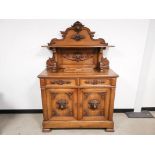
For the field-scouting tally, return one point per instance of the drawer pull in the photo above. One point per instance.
(93, 104)
(95, 82)
(60, 82)
(62, 104)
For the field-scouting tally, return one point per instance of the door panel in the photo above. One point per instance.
(94, 104)
(62, 104)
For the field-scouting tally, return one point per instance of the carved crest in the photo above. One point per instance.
(77, 35)
(77, 26)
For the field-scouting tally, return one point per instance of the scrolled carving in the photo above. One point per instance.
(60, 82)
(103, 64)
(61, 104)
(75, 32)
(78, 56)
(95, 81)
(93, 104)
(51, 64)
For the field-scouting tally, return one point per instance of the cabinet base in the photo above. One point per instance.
(109, 125)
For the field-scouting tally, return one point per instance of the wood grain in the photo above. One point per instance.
(77, 86)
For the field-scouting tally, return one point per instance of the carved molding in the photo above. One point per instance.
(60, 82)
(94, 81)
(78, 56)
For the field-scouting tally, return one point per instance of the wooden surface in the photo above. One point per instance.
(95, 73)
(78, 87)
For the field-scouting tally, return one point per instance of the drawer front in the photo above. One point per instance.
(93, 82)
(61, 82)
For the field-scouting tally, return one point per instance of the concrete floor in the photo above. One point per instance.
(30, 124)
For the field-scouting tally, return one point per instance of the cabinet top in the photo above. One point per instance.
(61, 74)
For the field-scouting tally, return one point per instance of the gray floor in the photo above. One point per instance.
(30, 124)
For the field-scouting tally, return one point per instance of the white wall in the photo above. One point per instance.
(148, 96)
(22, 58)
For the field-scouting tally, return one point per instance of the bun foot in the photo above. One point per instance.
(109, 130)
(46, 130)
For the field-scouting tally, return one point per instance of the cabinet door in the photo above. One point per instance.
(94, 104)
(62, 104)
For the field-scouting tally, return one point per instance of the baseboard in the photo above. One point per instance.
(123, 110)
(28, 111)
(20, 111)
(149, 108)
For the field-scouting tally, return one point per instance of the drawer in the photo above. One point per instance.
(93, 82)
(61, 82)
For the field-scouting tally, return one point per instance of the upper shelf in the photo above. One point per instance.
(77, 36)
